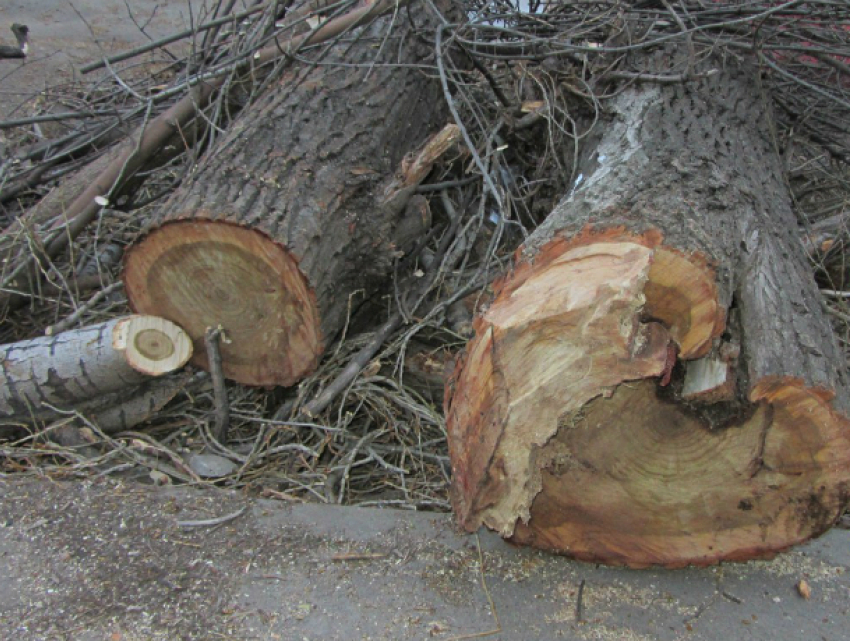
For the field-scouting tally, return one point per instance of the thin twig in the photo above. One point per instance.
(213, 522)
(152, 135)
(580, 602)
(354, 367)
(498, 628)
(212, 342)
(156, 44)
(55, 117)
(68, 322)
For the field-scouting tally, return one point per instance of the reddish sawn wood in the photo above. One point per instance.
(655, 382)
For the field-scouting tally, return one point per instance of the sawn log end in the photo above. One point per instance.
(203, 273)
(574, 425)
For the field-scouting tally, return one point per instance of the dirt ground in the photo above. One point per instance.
(82, 557)
(106, 559)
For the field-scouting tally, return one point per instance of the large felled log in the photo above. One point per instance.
(299, 206)
(655, 381)
(152, 137)
(69, 370)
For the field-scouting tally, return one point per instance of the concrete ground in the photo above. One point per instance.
(105, 559)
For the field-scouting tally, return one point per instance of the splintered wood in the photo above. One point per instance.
(655, 382)
(565, 435)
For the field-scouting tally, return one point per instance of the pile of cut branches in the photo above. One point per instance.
(524, 84)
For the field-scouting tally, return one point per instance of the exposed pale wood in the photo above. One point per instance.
(709, 379)
(151, 345)
(69, 369)
(660, 488)
(655, 382)
(639, 480)
(555, 337)
(205, 274)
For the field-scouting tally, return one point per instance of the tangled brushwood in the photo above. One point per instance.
(524, 83)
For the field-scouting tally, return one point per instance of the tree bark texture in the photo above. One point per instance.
(66, 371)
(124, 409)
(302, 206)
(655, 382)
(152, 143)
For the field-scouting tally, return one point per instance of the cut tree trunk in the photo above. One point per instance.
(43, 377)
(655, 382)
(299, 210)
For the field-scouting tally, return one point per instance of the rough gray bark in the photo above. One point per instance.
(124, 409)
(307, 167)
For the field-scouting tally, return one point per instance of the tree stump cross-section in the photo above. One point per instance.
(655, 382)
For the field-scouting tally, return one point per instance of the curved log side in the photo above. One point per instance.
(655, 382)
(299, 207)
(67, 371)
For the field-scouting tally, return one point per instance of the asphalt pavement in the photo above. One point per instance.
(116, 560)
